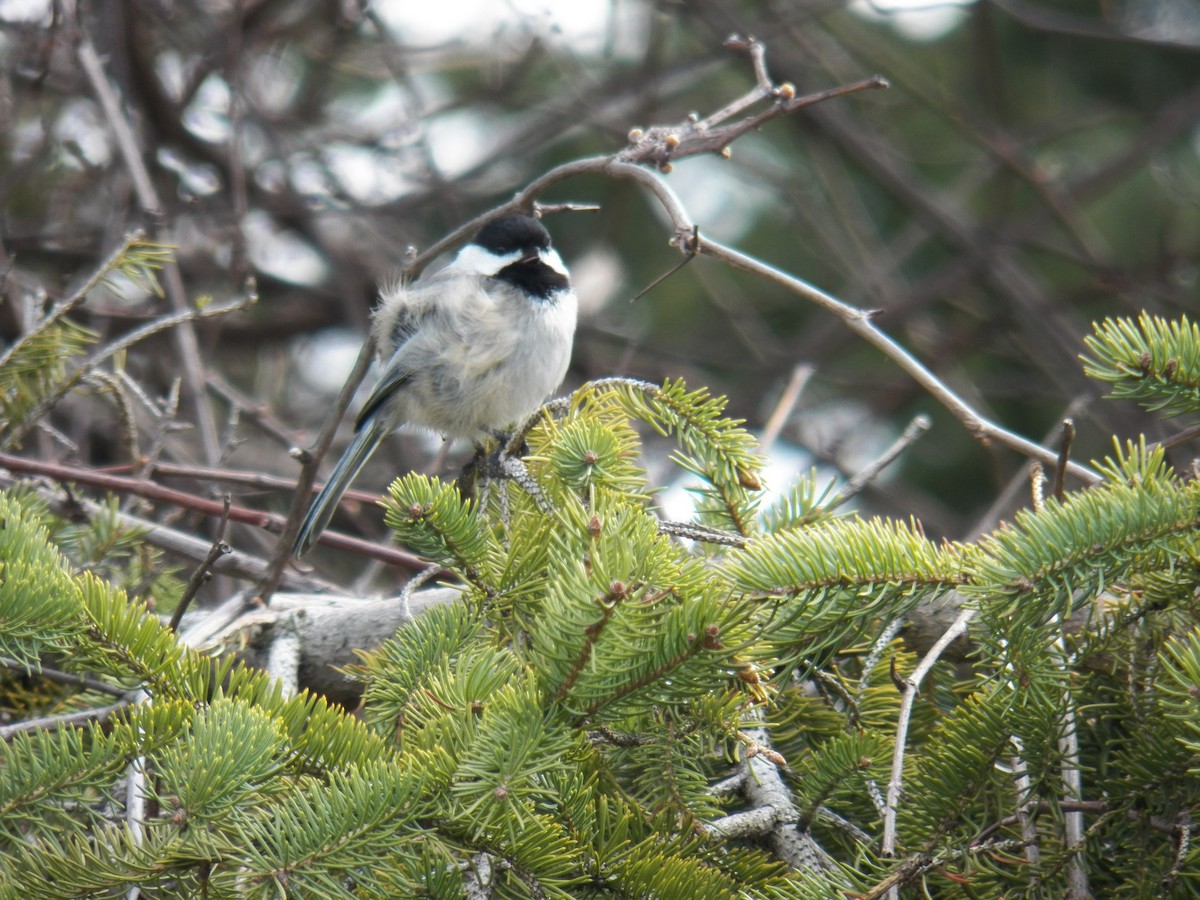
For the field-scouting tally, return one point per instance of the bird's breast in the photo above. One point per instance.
(487, 364)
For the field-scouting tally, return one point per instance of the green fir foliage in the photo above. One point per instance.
(35, 371)
(1151, 360)
(560, 729)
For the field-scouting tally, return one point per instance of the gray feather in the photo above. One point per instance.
(321, 510)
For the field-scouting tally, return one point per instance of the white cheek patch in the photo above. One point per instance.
(477, 260)
(554, 261)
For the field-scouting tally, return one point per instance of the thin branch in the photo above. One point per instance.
(203, 572)
(246, 477)
(1023, 785)
(65, 306)
(152, 491)
(1072, 781)
(68, 678)
(917, 427)
(259, 413)
(659, 145)
(1185, 436)
(918, 864)
(783, 408)
(1183, 844)
(310, 460)
(859, 322)
(687, 258)
(110, 350)
(137, 797)
(185, 337)
(1064, 458)
(98, 715)
(912, 686)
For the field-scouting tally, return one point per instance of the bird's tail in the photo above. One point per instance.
(321, 510)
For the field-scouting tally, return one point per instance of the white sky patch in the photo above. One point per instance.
(25, 10)
(715, 196)
(365, 175)
(596, 275)
(917, 20)
(586, 27)
(784, 465)
(462, 139)
(325, 360)
(196, 179)
(207, 116)
(81, 125)
(282, 254)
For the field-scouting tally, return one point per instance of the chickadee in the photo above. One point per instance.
(469, 349)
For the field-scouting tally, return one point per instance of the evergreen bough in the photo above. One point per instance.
(564, 728)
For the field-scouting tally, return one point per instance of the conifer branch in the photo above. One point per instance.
(120, 258)
(1152, 361)
(64, 386)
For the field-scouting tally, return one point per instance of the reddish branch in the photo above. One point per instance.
(140, 487)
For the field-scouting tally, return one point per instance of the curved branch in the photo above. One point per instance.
(858, 320)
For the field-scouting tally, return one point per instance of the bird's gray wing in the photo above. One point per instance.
(321, 510)
(395, 374)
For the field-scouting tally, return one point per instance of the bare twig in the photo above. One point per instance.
(310, 461)
(917, 427)
(689, 255)
(859, 322)
(1183, 843)
(234, 563)
(1064, 458)
(237, 564)
(131, 153)
(259, 480)
(203, 571)
(111, 350)
(258, 412)
(98, 715)
(659, 145)
(550, 209)
(1182, 437)
(1078, 887)
(68, 678)
(912, 686)
(136, 797)
(783, 408)
(66, 305)
(1022, 784)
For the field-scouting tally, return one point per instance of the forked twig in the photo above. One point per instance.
(204, 571)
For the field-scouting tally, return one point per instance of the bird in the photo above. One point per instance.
(466, 350)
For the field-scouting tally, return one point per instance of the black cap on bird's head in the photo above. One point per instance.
(510, 234)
